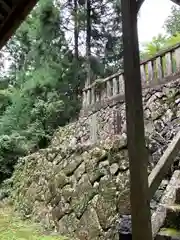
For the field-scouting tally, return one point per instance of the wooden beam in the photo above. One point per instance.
(139, 4)
(139, 197)
(164, 164)
(5, 6)
(176, 1)
(15, 18)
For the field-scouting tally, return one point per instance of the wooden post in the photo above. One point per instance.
(140, 206)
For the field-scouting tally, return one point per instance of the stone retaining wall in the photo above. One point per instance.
(161, 106)
(81, 188)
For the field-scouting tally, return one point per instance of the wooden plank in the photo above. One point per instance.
(93, 96)
(97, 96)
(93, 128)
(168, 198)
(109, 89)
(163, 165)
(138, 159)
(139, 4)
(176, 1)
(119, 98)
(177, 58)
(115, 86)
(159, 54)
(84, 99)
(168, 59)
(150, 71)
(121, 84)
(88, 97)
(19, 12)
(143, 74)
(159, 68)
(5, 6)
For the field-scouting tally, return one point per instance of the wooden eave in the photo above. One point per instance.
(12, 14)
(176, 1)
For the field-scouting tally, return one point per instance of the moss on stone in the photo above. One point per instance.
(170, 232)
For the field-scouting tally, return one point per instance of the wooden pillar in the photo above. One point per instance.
(140, 207)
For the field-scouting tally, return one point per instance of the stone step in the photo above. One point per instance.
(168, 234)
(172, 216)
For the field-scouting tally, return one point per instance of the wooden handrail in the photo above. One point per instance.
(103, 80)
(153, 70)
(159, 54)
(163, 165)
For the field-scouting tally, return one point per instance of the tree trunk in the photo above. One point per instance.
(88, 40)
(76, 31)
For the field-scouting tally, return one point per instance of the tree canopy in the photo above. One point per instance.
(47, 60)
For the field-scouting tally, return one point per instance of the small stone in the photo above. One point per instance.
(96, 185)
(114, 168)
(149, 128)
(97, 174)
(104, 164)
(159, 94)
(151, 100)
(157, 112)
(125, 224)
(67, 192)
(168, 116)
(60, 180)
(157, 137)
(79, 171)
(60, 210)
(159, 125)
(68, 224)
(170, 92)
(100, 154)
(178, 114)
(89, 227)
(72, 166)
(147, 114)
(124, 164)
(177, 101)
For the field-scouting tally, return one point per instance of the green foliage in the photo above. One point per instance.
(43, 86)
(11, 147)
(12, 227)
(172, 36)
(153, 47)
(172, 23)
(158, 44)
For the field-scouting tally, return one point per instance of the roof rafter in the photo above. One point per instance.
(12, 14)
(139, 4)
(176, 1)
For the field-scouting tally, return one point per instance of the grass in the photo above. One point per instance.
(13, 228)
(170, 232)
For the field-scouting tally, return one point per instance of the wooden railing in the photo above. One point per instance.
(163, 67)
(163, 165)
(158, 174)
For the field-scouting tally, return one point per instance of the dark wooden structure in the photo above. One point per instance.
(140, 202)
(139, 197)
(12, 14)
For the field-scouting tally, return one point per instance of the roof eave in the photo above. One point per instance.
(15, 18)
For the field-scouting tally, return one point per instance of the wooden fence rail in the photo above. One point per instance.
(163, 165)
(154, 71)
